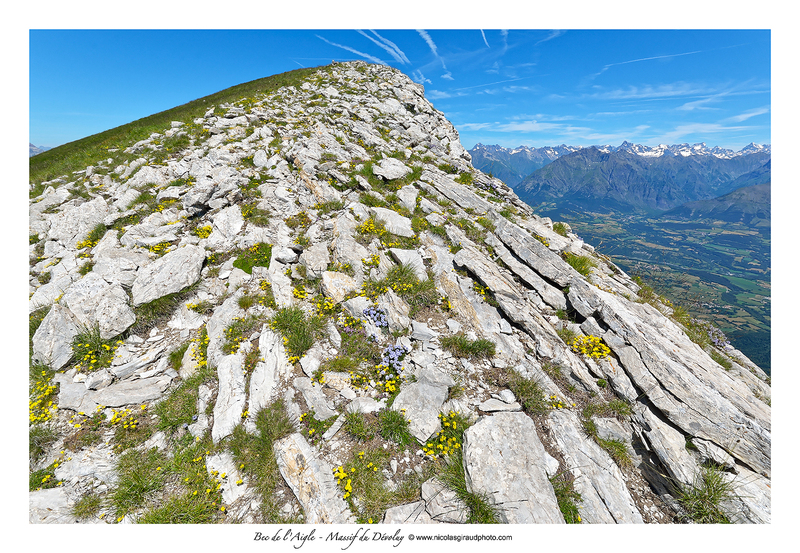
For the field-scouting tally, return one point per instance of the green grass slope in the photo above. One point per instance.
(64, 159)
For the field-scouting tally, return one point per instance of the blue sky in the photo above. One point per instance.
(508, 87)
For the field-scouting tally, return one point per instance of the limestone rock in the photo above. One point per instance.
(315, 259)
(172, 273)
(52, 342)
(504, 459)
(337, 285)
(231, 396)
(394, 222)
(95, 302)
(605, 498)
(311, 480)
(391, 168)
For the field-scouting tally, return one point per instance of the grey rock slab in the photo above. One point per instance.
(131, 392)
(422, 402)
(231, 396)
(455, 192)
(315, 398)
(94, 462)
(408, 196)
(169, 274)
(50, 506)
(95, 302)
(504, 460)
(692, 391)
(397, 310)
(224, 464)
(52, 341)
(365, 405)
(534, 254)
(493, 405)
(315, 259)
(73, 223)
(410, 513)
(751, 501)
(393, 221)
(442, 504)
(669, 445)
(337, 285)
(73, 395)
(311, 480)
(605, 497)
(712, 452)
(269, 372)
(420, 331)
(551, 295)
(311, 360)
(124, 370)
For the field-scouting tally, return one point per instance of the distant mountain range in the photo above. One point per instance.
(512, 165)
(592, 178)
(33, 150)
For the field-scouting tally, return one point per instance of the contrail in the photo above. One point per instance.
(389, 46)
(484, 38)
(353, 50)
(604, 69)
(432, 46)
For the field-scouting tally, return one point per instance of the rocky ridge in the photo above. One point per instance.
(322, 270)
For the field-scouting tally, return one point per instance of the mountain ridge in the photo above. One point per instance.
(315, 276)
(643, 183)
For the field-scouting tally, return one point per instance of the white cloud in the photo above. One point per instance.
(432, 45)
(437, 94)
(747, 115)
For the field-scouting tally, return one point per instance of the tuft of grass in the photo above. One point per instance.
(254, 454)
(529, 394)
(183, 509)
(364, 485)
(394, 426)
(461, 346)
(720, 359)
(567, 334)
(40, 437)
(580, 263)
(567, 498)
(87, 506)
(357, 425)
(299, 332)
(238, 330)
(91, 350)
(560, 228)
(176, 356)
(703, 499)
(180, 406)
(452, 474)
(137, 481)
